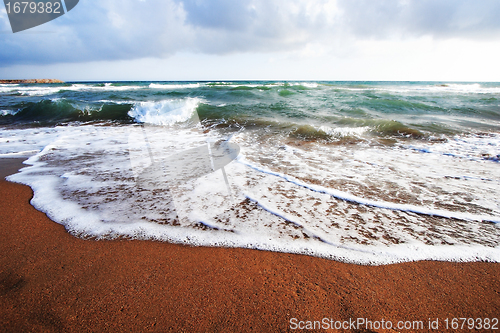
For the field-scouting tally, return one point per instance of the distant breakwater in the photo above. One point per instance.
(31, 81)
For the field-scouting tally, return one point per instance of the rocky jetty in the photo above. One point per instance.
(31, 81)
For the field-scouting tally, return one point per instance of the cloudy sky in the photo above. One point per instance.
(418, 40)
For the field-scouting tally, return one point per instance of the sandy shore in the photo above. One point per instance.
(51, 281)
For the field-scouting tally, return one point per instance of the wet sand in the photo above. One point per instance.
(51, 281)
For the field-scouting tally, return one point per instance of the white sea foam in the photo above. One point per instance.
(316, 201)
(475, 88)
(451, 88)
(30, 91)
(380, 204)
(6, 112)
(165, 112)
(345, 131)
(37, 90)
(249, 85)
(173, 86)
(471, 147)
(311, 85)
(107, 101)
(111, 87)
(378, 255)
(14, 141)
(26, 153)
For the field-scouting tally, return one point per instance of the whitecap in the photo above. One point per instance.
(174, 86)
(165, 112)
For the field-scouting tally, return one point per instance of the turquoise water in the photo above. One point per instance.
(366, 172)
(416, 109)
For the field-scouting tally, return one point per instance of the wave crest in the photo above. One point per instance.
(166, 112)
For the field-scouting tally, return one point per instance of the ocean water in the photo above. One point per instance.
(362, 172)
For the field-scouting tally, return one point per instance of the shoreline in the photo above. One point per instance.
(51, 281)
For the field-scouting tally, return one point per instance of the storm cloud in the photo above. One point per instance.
(135, 29)
(436, 18)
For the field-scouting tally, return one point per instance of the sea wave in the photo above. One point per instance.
(37, 90)
(165, 112)
(60, 110)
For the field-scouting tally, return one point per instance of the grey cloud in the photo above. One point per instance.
(255, 25)
(437, 18)
(219, 14)
(104, 30)
(132, 29)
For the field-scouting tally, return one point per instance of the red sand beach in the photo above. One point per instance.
(51, 281)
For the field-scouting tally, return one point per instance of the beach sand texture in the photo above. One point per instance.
(51, 281)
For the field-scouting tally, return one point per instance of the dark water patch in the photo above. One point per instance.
(436, 128)
(395, 128)
(242, 88)
(489, 99)
(212, 112)
(251, 112)
(371, 95)
(300, 87)
(260, 118)
(171, 93)
(242, 93)
(48, 112)
(308, 132)
(285, 93)
(490, 113)
(382, 127)
(119, 97)
(298, 123)
(385, 105)
(112, 112)
(354, 112)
